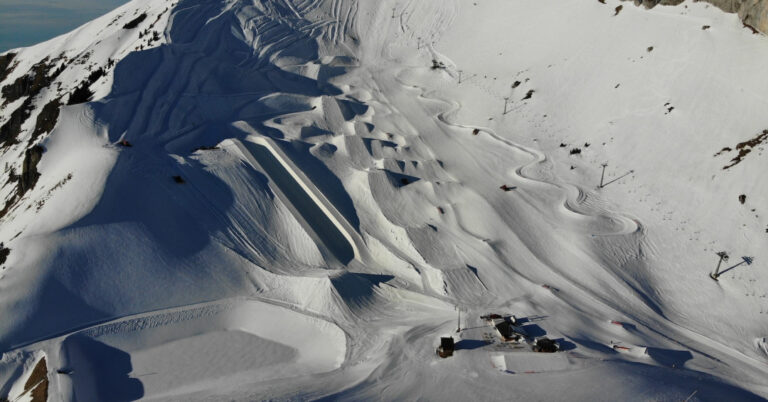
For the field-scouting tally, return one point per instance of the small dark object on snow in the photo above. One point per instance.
(476, 131)
(437, 64)
(545, 345)
(575, 151)
(509, 330)
(618, 10)
(441, 210)
(81, 94)
(4, 253)
(602, 1)
(743, 198)
(125, 143)
(586, 145)
(650, 49)
(178, 179)
(563, 145)
(446, 347)
(135, 22)
(515, 84)
(205, 148)
(573, 167)
(529, 94)
(507, 188)
(705, 27)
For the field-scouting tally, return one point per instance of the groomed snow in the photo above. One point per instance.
(180, 351)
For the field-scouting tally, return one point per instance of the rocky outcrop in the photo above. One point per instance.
(29, 86)
(28, 178)
(654, 3)
(83, 92)
(46, 120)
(5, 65)
(753, 13)
(29, 173)
(32, 83)
(12, 128)
(4, 253)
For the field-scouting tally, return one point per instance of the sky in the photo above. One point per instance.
(27, 22)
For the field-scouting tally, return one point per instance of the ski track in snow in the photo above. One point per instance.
(574, 196)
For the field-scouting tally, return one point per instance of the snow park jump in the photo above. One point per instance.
(308, 203)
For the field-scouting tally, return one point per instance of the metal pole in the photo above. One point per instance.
(459, 76)
(505, 104)
(717, 270)
(393, 11)
(723, 257)
(458, 328)
(602, 176)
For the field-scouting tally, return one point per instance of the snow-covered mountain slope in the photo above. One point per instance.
(753, 13)
(231, 199)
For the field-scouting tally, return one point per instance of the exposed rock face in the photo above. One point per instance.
(46, 120)
(4, 253)
(5, 65)
(29, 86)
(653, 3)
(26, 181)
(31, 83)
(29, 173)
(755, 13)
(752, 12)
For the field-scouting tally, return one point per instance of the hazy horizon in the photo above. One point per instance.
(27, 22)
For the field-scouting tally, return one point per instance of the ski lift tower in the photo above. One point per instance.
(723, 257)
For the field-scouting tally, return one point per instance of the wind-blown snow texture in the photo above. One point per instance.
(232, 199)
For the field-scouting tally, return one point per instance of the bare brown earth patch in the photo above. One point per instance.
(37, 383)
(743, 148)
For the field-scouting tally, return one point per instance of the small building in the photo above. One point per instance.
(545, 345)
(508, 327)
(446, 347)
(508, 331)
